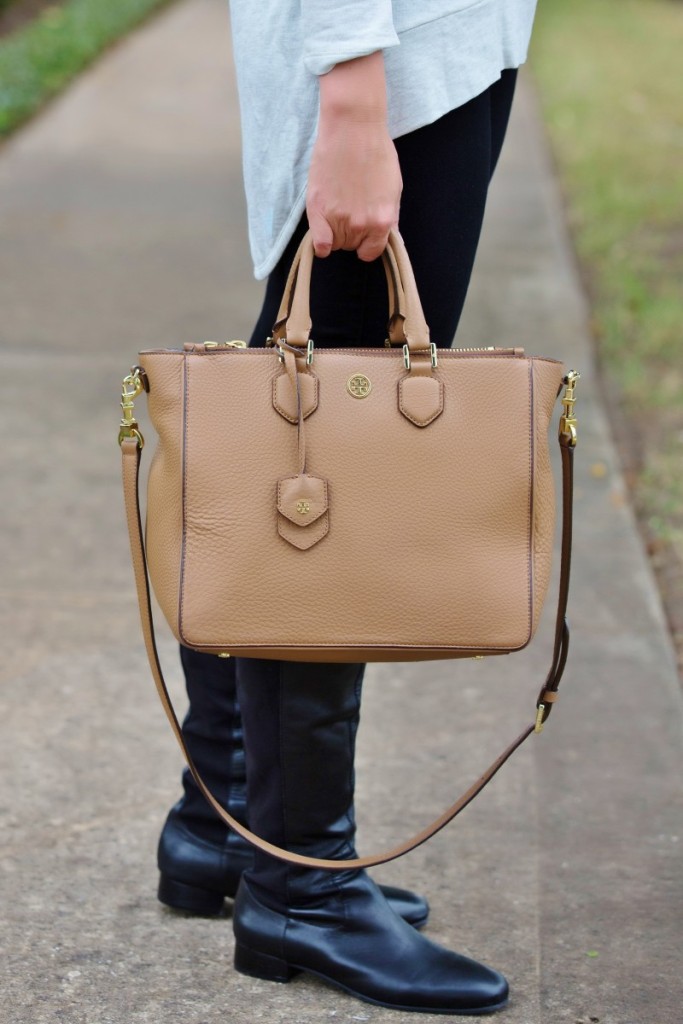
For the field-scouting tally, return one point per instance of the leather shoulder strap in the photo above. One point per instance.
(131, 449)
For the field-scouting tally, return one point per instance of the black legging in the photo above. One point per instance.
(446, 168)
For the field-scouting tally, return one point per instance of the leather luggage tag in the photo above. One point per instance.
(303, 513)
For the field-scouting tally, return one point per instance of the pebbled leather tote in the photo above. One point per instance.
(383, 504)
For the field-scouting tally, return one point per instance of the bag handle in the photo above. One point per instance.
(131, 443)
(407, 324)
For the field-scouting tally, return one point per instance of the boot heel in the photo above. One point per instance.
(181, 896)
(260, 965)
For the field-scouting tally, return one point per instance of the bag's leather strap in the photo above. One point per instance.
(131, 464)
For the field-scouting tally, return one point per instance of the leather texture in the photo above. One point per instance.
(440, 539)
(285, 395)
(302, 504)
(420, 399)
(356, 942)
(440, 536)
(200, 858)
(198, 873)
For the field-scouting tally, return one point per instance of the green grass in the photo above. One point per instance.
(610, 83)
(37, 61)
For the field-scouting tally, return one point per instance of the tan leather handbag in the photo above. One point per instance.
(350, 504)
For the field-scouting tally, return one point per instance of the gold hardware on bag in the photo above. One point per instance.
(303, 507)
(568, 419)
(224, 654)
(540, 711)
(359, 385)
(498, 349)
(432, 353)
(225, 344)
(131, 387)
(281, 352)
(482, 348)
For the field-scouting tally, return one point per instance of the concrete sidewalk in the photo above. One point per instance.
(121, 227)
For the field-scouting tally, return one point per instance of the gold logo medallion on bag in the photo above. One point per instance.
(359, 385)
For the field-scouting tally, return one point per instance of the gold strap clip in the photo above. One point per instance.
(568, 421)
(133, 385)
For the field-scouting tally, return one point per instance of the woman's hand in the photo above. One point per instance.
(354, 182)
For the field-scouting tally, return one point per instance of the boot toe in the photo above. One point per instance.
(356, 943)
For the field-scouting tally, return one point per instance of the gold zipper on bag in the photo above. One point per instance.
(213, 346)
(481, 348)
(224, 344)
(492, 348)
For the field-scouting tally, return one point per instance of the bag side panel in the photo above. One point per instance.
(164, 488)
(547, 380)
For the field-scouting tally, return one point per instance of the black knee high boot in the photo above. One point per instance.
(299, 724)
(200, 859)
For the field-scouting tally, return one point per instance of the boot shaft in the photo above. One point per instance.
(300, 722)
(213, 732)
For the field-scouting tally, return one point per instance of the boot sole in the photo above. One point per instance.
(191, 898)
(271, 968)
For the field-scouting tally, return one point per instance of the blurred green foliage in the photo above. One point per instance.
(37, 61)
(609, 76)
